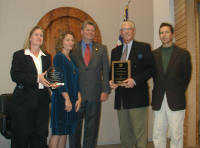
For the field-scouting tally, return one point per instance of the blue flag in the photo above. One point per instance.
(120, 40)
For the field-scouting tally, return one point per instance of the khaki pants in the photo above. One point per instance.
(133, 127)
(165, 118)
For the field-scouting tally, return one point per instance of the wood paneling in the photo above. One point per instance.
(185, 29)
(197, 46)
(181, 40)
(180, 23)
(64, 19)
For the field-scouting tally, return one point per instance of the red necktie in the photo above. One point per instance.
(87, 55)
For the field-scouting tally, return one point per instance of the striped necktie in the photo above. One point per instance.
(124, 54)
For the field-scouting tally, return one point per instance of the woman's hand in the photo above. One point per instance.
(78, 102)
(42, 80)
(55, 85)
(68, 105)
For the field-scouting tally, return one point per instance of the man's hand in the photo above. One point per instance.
(104, 96)
(112, 85)
(128, 83)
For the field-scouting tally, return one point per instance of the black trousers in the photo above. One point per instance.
(30, 124)
(90, 111)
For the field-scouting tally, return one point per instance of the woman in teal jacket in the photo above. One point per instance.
(66, 99)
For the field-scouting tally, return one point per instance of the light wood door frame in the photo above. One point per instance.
(186, 27)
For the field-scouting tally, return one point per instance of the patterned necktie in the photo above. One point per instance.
(124, 55)
(87, 55)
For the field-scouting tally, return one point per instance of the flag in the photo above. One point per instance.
(126, 12)
(120, 40)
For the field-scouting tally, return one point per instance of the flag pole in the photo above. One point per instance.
(120, 40)
(126, 11)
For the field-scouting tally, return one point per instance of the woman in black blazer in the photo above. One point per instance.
(30, 108)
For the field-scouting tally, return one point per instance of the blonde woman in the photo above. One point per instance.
(30, 108)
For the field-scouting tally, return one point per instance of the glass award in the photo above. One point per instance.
(121, 70)
(55, 75)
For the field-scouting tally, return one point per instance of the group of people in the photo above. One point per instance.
(87, 82)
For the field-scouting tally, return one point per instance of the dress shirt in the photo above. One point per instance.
(129, 48)
(38, 64)
(83, 46)
(128, 52)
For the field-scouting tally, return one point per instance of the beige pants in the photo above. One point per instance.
(133, 127)
(164, 118)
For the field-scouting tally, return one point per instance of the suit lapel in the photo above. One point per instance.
(79, 53)
(31, 63)
(118, 53)
(132, 54)
(44, 63)
(94, 52)
(159, 59)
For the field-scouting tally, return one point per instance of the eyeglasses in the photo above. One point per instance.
(126, 29)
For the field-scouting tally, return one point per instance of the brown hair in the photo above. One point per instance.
(27, 41)
(59, 40)
(168, 25)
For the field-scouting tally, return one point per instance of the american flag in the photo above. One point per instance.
(120, 40)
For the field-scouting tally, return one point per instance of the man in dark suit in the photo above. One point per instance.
(131, 97)
(92, 62)
(171, 78)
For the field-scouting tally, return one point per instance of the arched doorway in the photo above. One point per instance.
(63, 19)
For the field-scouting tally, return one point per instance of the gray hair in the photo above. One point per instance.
(128, 22)
(88, 22)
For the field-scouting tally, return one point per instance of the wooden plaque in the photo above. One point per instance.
(121, 70)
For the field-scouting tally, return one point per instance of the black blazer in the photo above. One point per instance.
(24, 74)
(141, 70)
(174, 82)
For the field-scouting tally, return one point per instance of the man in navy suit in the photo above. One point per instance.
(131, 97)
(171, 78)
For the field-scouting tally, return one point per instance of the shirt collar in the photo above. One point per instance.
(28, 52)
(167, 47)
(129, 44)
(83, 44)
